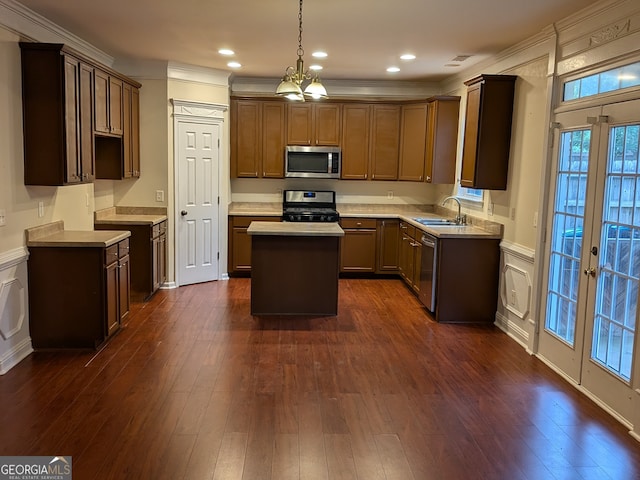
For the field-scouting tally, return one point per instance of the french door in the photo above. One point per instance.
(593, 253)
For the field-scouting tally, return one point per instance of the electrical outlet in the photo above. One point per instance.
(390, 194)
(3, 218)
(159, 195)
(40, 209)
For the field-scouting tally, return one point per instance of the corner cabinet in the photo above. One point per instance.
(258, 138)
(487, 136)
(413, 131)
(57, 99)
(385, 142)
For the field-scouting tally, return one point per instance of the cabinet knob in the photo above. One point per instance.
(428, 178)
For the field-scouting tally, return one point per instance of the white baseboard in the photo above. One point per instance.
(516, 333)
(15, 355)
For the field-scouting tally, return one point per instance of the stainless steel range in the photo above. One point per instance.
(309, 206)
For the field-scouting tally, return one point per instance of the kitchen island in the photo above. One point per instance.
(295, 268)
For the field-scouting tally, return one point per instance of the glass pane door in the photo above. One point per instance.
(619, 270)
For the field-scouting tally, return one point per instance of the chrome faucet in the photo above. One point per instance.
(460, 220)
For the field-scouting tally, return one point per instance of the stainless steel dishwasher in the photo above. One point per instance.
(428, 271)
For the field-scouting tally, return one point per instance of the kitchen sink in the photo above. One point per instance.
(435, 221)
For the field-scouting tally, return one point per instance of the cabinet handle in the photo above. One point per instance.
(428, 178)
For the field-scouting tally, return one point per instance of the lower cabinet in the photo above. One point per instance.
(78, 296)
(388, 231)
(148, 256)
(358, 246)
(239, 250)
(410, 255)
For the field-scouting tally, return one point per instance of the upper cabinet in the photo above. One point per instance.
(385, 141)
(57, 96)
(313, 124)
(356, 125)
(258, 129)
(412, 143)
(441, 139)
(109, 104)
(61, 91)
(487, 136)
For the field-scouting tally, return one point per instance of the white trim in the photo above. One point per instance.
(31, 25)
(521, 314)
(168, 286)
(190, 111)
(13, 257)
(520, 251)
(15, 355)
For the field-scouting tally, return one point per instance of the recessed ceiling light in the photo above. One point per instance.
(234, 65)
(319, 54)
(226, 51)
(393, 69)
(408, 56)
(451, 65)
(315, 67)
(460, 58)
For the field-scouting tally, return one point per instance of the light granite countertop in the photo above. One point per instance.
(475, 227)
(130, 215)
(54, 235)
(296, 229)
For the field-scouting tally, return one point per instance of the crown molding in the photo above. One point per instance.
(192, 73)
(32, 26)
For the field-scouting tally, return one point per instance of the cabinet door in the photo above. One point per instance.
(442, 139)
(162, 260)
(385, 142)
(273, 139)
(87, 162)
(101, 99)
(113, 317)
(405, 261)
(299, 124)
(115, 105)
(355, 141)
(327, 120)
(412, 144)
(124, 286)
(72, 119)
(127, 162)
(417, 265)
(470, 148)
(241, 257)
(388, 243)
(247, 128)
(135, 132)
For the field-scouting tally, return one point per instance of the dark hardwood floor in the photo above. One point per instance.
(195, 388)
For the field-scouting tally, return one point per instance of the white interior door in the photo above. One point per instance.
(593, 258)
(198, 164)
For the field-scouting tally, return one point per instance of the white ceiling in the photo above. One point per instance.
(362, 37)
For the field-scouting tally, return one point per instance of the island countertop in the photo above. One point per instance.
(293, 229)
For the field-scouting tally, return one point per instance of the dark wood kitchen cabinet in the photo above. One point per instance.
(148, 255)
(441, 139)
(314, 124)
(131, 132)
(57, 99)
(487, 135)
(258, 138)
(388, 233)
(78, 296)
(239, 249)
(108, 116)
(358, 245)
(385, 142)
(413, 131)
(410, 255)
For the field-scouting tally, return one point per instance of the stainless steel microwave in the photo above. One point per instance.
(312, 162)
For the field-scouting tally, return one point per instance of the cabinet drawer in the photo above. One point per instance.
(111, 254)
(158, 229)
(123, 248)
(408, 229)
(358, 223)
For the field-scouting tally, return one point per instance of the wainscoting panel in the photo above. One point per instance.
(515, 308)
(15, 342)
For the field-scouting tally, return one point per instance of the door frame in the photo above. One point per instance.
(188, 111)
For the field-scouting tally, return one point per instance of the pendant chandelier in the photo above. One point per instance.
(291, 84)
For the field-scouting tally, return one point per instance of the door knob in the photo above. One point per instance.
(590, 271)
(183, 213)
